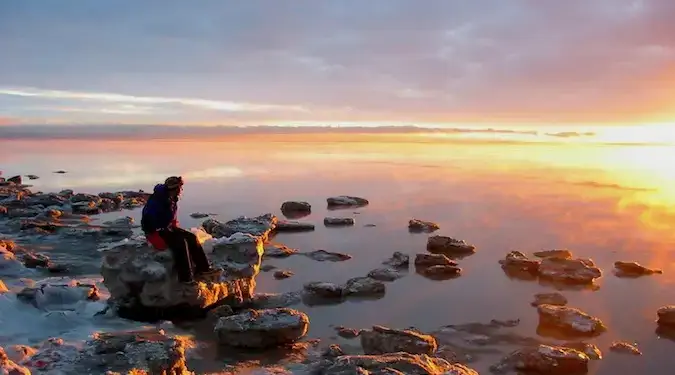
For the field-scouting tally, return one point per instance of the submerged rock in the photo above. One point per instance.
(555, 299)
(272, 300)
(364, 286)
(260, 226)
(347, 333)
(323, 255)
(578, 271)
(394, 363)
(398, 260)
(544, 359)
(570, 320)
(560, 253)
(143, 283)
(338, 221)
(415, 225)
(262, 328)
(385, 274)
(324, 289)
(633, 269)
(283, 274)
(199, 215)
(624, 348)
(381, 340)
(666, 315)
(440, 272)
(58, 294)
(346, 201)
(293, 226)
(276, 250)
(449, 246)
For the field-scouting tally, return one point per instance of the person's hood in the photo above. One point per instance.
(161, 190)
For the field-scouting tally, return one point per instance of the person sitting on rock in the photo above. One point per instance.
(160, 225)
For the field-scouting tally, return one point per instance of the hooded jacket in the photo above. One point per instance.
(160, 212)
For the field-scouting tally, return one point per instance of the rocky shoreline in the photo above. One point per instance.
(143, 287)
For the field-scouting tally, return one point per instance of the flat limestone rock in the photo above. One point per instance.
(346, 201)
(293, 226)
(338, 221)
(555, 298)
(544, 359)
(415, 225)
(277, 250)
(570, 320)
(262, 328)
(633, 269)
(625, 348)
(395, 363)
(575, 271)
(558, 253)
(449, 246)
(381, 340)
(428, 260)
(136, 275)
(517, 261)
(240, 254)
(666, 315)
(260, 226)
(323, 255)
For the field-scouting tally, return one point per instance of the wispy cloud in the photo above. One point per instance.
(570, 134)
(127, 101)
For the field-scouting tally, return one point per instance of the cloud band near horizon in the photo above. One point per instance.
(382, 60)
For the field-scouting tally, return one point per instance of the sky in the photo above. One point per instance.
(320, 61)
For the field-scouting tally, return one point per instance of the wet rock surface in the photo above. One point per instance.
(581, 271)
(555, 299)
(141, 280)
(591, 350)
(385, 274)
(449, 246)
(569, 320)
(346, 201)
(262, 328)
(338, 221)
(323, 256)
(398, 260)
(421, 226)
(283, 274)
(296, 206)
(381, 340)
(293, 226)
(275, 250)
(259, 226)
(9, 367)
(393, 363)
(624, 348)
(560, 253)
(544, 359)
(58, 294)
(240, 254)
(666, 315)
(633, 269)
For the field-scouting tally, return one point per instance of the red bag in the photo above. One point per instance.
(156, 241)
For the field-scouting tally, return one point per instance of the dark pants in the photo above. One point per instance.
(188, 253)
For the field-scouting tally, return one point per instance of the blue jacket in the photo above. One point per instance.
(160, 211)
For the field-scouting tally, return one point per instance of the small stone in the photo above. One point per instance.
(199, 215)
(449, 245)
(295, 206)
(276, 250)
(346, 201)
(440, 271)
(384, 274)
(290, 226)
(364, 286)
(323, 255)
(624, 348)
(517, 261)
(338, 221)
(544, 359)
(428, 260)
(555, 298)
(32, 177)
(324, 289)
(415, 225)
(381, 340)
(398, 260)
(633, 269)
(283, 274)
(570, 319)
(347, 333)
(592, 351)
(574, 271)
(333, 351)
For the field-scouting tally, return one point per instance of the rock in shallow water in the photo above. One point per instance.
(517, 261)
(577, 271)
(275, 250)
(415, 225)
(293, 226)
(142, 281)
(239, 254)
(385, 274)
(9, 367)
(544, 359)
(323, 255)
(346, 201)
(260, 226)
(381, 340)
(633, 269)
(58, 294)
(398, 260)
(555, 298)
(624, 348)
(262, 328)
(666, 315)
(569, 320)
(295, 206)
(338, 221)
(559, 253)
(449, 246)
(394, 363)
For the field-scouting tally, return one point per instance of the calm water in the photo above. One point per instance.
(604, 202)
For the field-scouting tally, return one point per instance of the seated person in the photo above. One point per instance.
(160, 224)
